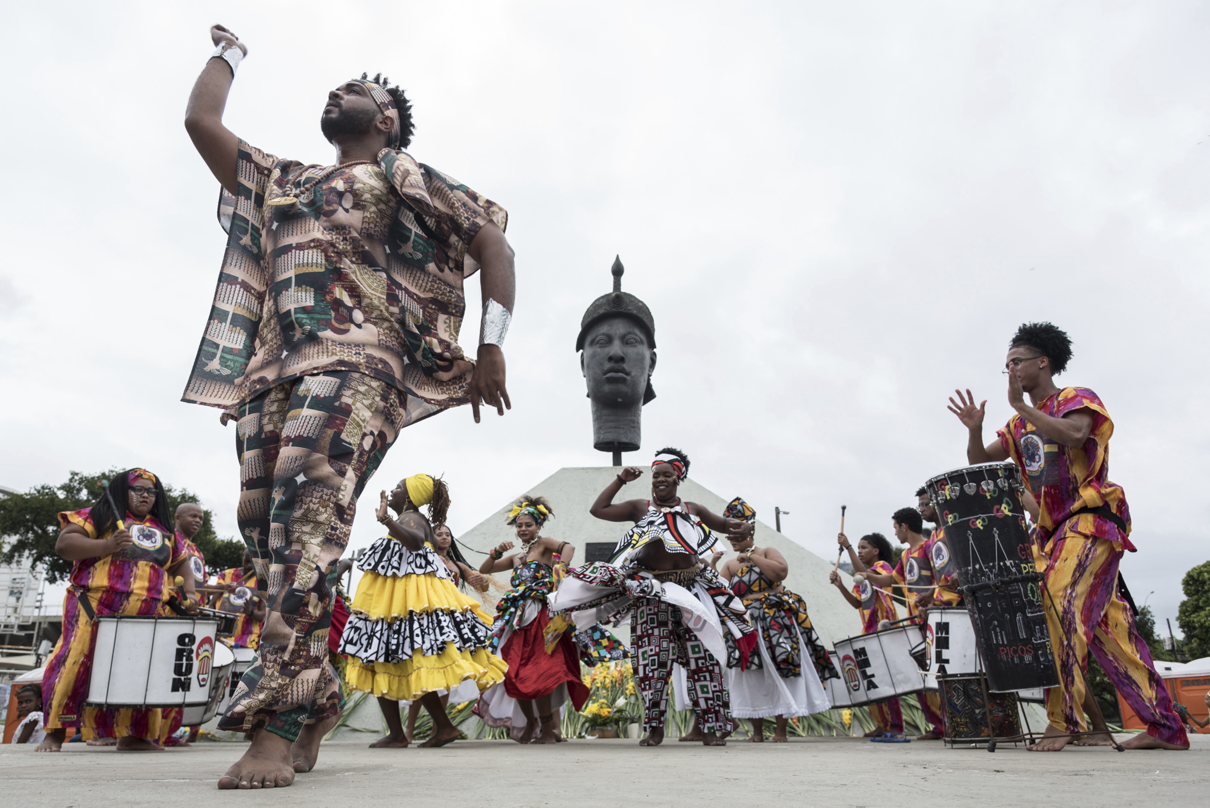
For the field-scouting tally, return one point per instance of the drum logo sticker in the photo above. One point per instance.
(911, 571)
(146, 537)
(182, 669)
(199, 571)
(848, 667)
(863, 666)
(204, 657)
(240, 596)
(940, 556)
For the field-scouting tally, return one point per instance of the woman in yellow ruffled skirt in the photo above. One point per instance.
(411, 635)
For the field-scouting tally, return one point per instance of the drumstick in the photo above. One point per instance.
(840, 555)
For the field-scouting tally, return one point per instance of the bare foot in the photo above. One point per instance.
(655, 736)
(933, 734)
(266, 764)
(711, 739)
(550, 730)
(129, 743)
(53, 742)
(757, 736)
(101, 742)
(440, 738)
(527, 734)
(871, 733)
(1145, 741)
(780, 737)
(305, 751)
(1096, 738)
(387, 742)
(1053, 740)
(694, 736)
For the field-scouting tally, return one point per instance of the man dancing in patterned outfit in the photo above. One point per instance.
(334, 326)
(1060, 441)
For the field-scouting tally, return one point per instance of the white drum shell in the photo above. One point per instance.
(150, 662)
(838, 690)
(880, 666)
(958, 652)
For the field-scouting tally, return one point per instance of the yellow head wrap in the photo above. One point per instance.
(420, 489)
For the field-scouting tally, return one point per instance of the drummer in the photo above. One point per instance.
(189, 518)
(1060, 441)
(112, 573)
(873, 555)
(239, 597)
(945, 578)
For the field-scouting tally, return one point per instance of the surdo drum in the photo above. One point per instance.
(879, 666)
(220, 675)
(152, 662)
(953, 651)
(981, 510)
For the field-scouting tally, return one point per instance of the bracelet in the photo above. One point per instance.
(385, 520)
(495, 323)
(623, 482)
(229, 53)
(494, 554)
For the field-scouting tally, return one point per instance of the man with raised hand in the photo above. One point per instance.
(334, 326)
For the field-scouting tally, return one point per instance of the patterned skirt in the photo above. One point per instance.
(410, 631)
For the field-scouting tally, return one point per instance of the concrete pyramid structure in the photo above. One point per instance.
(572, 490)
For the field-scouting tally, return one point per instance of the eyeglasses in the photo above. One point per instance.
(142, 491)
(1015, 363)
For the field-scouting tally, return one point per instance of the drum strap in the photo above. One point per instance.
(85, 603)
(1104, 512)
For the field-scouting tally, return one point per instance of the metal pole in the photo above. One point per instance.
(777, 512)
(617, 459)
(1172, 639)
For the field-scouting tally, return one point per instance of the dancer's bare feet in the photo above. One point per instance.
(757, 735)
(1145, 741)
(712, 739)
(871, 733)
(1095, 738)
(527, 734)
(389, 742)
(694, 734)
(441, 737)
(1053, 740)
(266, 764)
(53, 742)
(655, 736)
(131, 744)
(933, 734)
(101, 742)
(550, 729)
(780, 737)
(305, 750)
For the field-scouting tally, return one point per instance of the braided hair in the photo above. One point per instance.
(105, 519)
(455, 554)
(439, 505)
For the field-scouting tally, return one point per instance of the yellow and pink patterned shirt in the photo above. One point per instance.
(1067, 481)
(876, 605)
(141, 569)
(247, 627)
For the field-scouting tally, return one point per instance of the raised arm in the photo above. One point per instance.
(843, 541)
(565, 549)
(74, 544)
(714, 521)
(409, 528)
(629, 511)
(834, 577)
(496, 561)
(972, 418)
(217, 145)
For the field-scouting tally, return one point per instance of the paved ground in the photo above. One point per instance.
(813, 771)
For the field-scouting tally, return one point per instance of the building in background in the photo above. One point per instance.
(26, 622)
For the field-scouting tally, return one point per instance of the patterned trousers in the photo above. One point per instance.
(930, 704)
(887, 715)
(306, 450)
(660, 639)
(1088, 614)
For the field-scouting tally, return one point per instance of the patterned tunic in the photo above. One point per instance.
(355, 268)
(247, 628)
(915, 570)
(1065, 481)
(779, 617)
(197, 561)
(876, 605)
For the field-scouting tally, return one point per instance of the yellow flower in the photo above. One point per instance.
(630, 688)
(847, 717)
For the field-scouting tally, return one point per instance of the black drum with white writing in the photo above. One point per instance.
(983, 516)
(152, 662)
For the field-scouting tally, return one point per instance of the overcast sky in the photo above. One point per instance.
(837, 212)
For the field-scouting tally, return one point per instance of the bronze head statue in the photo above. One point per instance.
(617, 337)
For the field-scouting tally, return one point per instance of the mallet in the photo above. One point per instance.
(840, 554)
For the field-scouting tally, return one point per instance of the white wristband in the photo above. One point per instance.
(231, 54)
(495, 323)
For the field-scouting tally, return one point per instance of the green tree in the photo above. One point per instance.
(1193, 616)
(29, 523)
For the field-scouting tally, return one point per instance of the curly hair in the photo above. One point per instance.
(910, 518)
(532, 499)
(1048, 340)
(922, 491)
(879, 542)
(676, 453)
(407, 126)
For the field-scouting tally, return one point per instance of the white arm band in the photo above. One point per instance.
(495, 323)
(230, 54)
